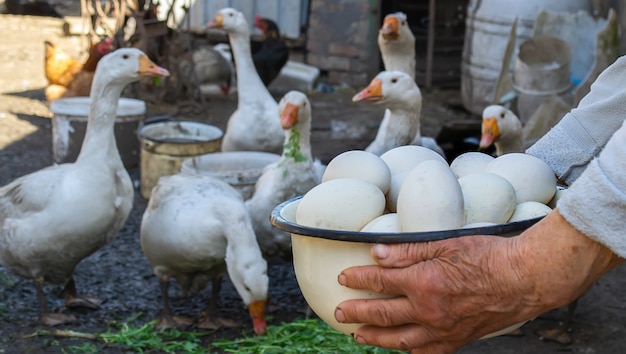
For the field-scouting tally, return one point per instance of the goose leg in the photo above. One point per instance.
(167, 319)
(207, 318)
(561, 334)
(45, 315)
(73, 299)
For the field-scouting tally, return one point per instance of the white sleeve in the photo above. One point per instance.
(595, 204)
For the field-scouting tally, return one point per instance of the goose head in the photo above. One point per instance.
(294, 108)
(126, 65)
(230, 20)
(500, 126)
(395, 29)
(392, 89)
(251, 283)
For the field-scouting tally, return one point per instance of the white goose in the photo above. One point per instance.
(403, 100)
(196, 228)
(294, 174)
(503, 129)
(253, 126)
(397, 49)
(397, 44)
(53, 218)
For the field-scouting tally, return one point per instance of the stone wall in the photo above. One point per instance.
(341, 40)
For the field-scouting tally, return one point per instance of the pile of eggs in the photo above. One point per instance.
(413, 189)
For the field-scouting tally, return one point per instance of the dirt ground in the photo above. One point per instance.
(119, 272)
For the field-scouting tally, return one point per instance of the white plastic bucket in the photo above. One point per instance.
(69, 123)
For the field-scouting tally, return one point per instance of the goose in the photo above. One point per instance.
(501, 128)
(402, 99)
(253, 125)
(396, 43)
(294, 174)
(53, 218)
(195, 229)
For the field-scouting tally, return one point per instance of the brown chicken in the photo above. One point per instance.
(68, 77)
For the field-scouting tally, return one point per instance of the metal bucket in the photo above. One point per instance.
(240, 169)
(164, 146)
(487, 27)
(69, 123)
(542, 69)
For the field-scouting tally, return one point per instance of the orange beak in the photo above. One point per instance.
(218, 22)
(257, 313)
(372, 93)
(490, 132)
(390, 29)
(289, 116)
(147, 68)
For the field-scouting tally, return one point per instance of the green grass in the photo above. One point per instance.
(299, 336)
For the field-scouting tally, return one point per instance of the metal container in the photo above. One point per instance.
(240, 169)
(487, 27)
(69, 123)
(542, 69)
(164, 146)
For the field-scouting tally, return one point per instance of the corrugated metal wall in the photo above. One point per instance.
(290, 15)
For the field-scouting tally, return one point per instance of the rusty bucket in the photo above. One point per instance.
(164, 146)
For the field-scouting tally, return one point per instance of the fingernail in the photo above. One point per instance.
(339, 316)
(381, 251)
(360, 340)
(341, 279)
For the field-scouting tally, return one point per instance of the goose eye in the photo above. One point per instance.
(304, 104)
(248, 289)
(125, 56)
(403, 23)
(502, 115)
(394, 80)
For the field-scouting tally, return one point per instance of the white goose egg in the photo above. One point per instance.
(359, 164)
(487, 197)
(392, 195)
(430, 199)
(384, 223)
(404, 158)
(532, 178)
(341, 204)
(470, 162)
(529, 210)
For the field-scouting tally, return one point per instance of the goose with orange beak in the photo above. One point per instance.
(501, 128)
(400, 126)
(294, 174)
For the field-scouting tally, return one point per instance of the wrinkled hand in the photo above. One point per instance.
(455, 291)
(451, 292)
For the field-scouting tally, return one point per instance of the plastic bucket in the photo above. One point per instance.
(487, 27)
(165, 145)
(69, 123)
(240, 169)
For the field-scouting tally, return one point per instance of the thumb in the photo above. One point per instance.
(403, 254)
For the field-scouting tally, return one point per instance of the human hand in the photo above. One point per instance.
(455, 291)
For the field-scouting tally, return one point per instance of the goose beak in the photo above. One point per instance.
(372, 93)
(257, 313)
(390, 29)
(147, 68)
(218, 22)
(289, 117)
(490, 132)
